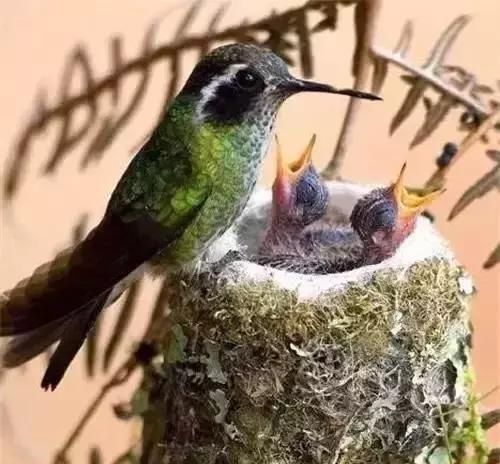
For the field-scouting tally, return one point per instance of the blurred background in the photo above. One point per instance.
(38, 40)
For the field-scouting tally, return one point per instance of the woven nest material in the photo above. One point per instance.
(263, 366)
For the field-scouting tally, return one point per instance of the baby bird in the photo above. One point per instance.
(385, 217)
(300, 198)
(380, 221)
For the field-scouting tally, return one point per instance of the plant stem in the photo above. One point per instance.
(369, 9)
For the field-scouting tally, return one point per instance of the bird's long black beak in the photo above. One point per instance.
(299, 85)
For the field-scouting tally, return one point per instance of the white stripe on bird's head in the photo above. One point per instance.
(209, 92)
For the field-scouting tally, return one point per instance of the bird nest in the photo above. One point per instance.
(266, 366)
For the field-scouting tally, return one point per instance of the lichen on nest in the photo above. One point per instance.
(361, 374)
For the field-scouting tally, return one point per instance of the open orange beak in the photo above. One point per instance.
(290, 173)
(411, 203)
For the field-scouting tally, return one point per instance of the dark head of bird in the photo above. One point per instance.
(237, 83)
(385, 217)
(299, 195)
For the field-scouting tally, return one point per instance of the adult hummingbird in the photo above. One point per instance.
(182, 190)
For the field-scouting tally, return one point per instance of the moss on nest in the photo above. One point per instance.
(252, 374)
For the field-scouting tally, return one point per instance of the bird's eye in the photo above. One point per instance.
(307, 194)
(247, 80)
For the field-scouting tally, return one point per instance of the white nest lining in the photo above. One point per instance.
(425, 242)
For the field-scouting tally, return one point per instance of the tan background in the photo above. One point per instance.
(36, 37)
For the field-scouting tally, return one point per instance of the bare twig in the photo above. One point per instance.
(368, 9)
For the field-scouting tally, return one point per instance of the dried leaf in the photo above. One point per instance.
(175, 74)
(470, 120)
(306, 60)
(160, 304)
(277, 41)
(100, 140)
(174, 59)
(435, 116)
(493, 155)
(128, 457)
(41, 106)
(361, 11)
(486, 183)
(204, 47)
(122, 323)
(493, 259)
(79, 63)
(187, 19)
(494, 456)
(409, 104)
(330, 12)
(427, 104)
(380, 68)
(123, 411)
(479, 132)
(112, 129)
(80, 229)
(95, 456)
(459, 70)
(445, 42)
(116, 65)
(92, 347)
(481, 88)
(491, 418)
(404, 41)
(409, 79)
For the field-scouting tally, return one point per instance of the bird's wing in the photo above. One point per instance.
(149, 210)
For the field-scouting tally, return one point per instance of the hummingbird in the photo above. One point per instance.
(181, 191)
(379, 223)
